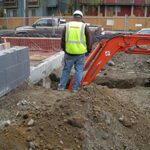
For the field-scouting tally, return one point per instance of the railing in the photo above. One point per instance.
(52, 3)
(139, 2)
(109, 2)
(147, 2)
(10, 3)
(115, 2)
(125, 2)
(33, 3)
(93, 2)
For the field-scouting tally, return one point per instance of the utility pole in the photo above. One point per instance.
(76, 4)
(25, 12)
(126, 23)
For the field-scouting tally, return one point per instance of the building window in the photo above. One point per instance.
(109, 2)
(91, 10)
(125, 2)
(33, 12)
(14, 12)
(10, 3)
(124, 10)
(33, 3)
(110, 11)
(118, 9)
(148, 11)
(139, 11)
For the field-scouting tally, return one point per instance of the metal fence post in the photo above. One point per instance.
(126, 23)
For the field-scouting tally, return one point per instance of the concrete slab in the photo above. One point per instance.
(46, 67)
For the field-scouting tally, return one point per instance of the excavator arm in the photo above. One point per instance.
(106, 49)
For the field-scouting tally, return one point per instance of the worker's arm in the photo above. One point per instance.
(88, 39)
(63, 39)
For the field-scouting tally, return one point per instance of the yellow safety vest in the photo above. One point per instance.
(75, 38)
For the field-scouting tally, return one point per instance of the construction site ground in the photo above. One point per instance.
(112, 113)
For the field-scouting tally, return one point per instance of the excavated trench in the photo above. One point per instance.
(108, 81)
(123, 83)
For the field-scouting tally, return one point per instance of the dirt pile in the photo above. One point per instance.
(116, 117)
(94, 118)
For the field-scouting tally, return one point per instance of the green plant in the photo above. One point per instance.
(1, 11)
(4, 27)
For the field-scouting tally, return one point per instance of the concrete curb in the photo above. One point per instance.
(45, 68)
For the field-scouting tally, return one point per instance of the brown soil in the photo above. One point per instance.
(112, 113)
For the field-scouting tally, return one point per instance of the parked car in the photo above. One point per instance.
(105, 34)
(44, 27)
(96, 31)
(144, 31)
(48, 27)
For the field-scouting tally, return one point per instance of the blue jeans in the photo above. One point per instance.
(78, 62)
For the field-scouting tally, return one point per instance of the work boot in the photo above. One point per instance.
(60, 89)
(74, 91)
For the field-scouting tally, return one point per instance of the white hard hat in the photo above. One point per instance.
(78, 12)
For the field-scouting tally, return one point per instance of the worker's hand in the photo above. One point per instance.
(87, 54)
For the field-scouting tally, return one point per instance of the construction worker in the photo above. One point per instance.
(76, 42)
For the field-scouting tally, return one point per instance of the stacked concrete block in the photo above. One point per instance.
(14, 68)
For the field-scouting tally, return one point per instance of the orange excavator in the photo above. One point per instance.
(106, 49)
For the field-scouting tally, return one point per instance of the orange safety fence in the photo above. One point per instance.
(48, 45)
(39, 48)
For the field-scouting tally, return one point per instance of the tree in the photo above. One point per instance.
(1, 11)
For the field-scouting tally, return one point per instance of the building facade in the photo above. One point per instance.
(20, 8)
(139, 8)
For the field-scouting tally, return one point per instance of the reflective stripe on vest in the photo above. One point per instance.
(75, 38)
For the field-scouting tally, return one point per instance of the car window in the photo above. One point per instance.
(41, 23)
(144, 32)
(50, 22)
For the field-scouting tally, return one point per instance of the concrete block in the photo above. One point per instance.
(22, 55)
(3, 61)
(26, 68)
(2, 81)
(15, 68)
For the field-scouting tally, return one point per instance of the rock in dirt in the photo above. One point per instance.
(7, 123)
(31, 122)
(77, 121)
(126, 122)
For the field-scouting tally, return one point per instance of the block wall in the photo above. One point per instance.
(14, 68)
